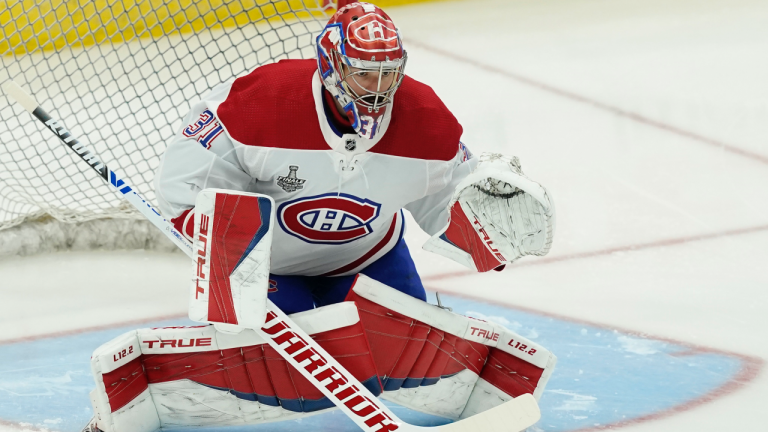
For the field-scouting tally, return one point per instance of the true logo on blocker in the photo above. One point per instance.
(328, 218)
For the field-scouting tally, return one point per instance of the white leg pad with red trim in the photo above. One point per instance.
(111, 412)
(435, 361)
(509, 372)
(197, 376)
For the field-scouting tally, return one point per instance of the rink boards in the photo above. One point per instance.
(604, 376)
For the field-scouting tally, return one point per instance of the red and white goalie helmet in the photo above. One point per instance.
(361, 39)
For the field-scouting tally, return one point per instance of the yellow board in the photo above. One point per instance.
(390, 3)
(31, 25)
(27, 26)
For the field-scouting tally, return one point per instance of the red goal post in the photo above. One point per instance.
(122, 74)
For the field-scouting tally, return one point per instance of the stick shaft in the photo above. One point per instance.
(128, 192)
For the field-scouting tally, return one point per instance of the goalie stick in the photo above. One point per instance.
(293, 343)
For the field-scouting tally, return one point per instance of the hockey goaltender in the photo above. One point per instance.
(301, 170)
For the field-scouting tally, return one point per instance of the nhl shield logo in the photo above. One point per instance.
(350, 145)
(291, 183)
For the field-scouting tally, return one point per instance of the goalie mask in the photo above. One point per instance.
(361, 59)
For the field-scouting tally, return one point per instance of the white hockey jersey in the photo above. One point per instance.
(339, 197)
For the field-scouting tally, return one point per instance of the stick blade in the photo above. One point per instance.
(513, 416)
(15, 92)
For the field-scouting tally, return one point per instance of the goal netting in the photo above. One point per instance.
(120, 74)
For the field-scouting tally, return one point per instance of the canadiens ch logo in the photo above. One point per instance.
(328, 218)
(291, 183)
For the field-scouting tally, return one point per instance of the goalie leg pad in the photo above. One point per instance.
(515, 366)
(198, 376)
(435, 361)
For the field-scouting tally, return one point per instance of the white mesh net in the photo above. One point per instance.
(120, 74)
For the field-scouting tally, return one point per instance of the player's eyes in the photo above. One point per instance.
(386, 74)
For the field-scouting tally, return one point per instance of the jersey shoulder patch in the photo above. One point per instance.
(273, 106)
(421, 127)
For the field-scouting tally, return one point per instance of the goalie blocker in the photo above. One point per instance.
(421, 356)
(232, 242)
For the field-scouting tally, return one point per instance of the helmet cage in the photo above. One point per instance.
(349, 68)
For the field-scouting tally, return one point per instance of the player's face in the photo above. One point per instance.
(364, 82)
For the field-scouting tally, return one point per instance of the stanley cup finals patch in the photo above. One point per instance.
(291, 183)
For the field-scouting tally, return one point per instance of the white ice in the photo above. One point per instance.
(511, 71)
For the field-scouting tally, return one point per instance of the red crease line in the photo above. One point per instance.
(750, 368)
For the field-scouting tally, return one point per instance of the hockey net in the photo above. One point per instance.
(120, 74)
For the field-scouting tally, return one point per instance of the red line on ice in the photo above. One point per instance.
(609, 251)
(90, 329)
(597, 104)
